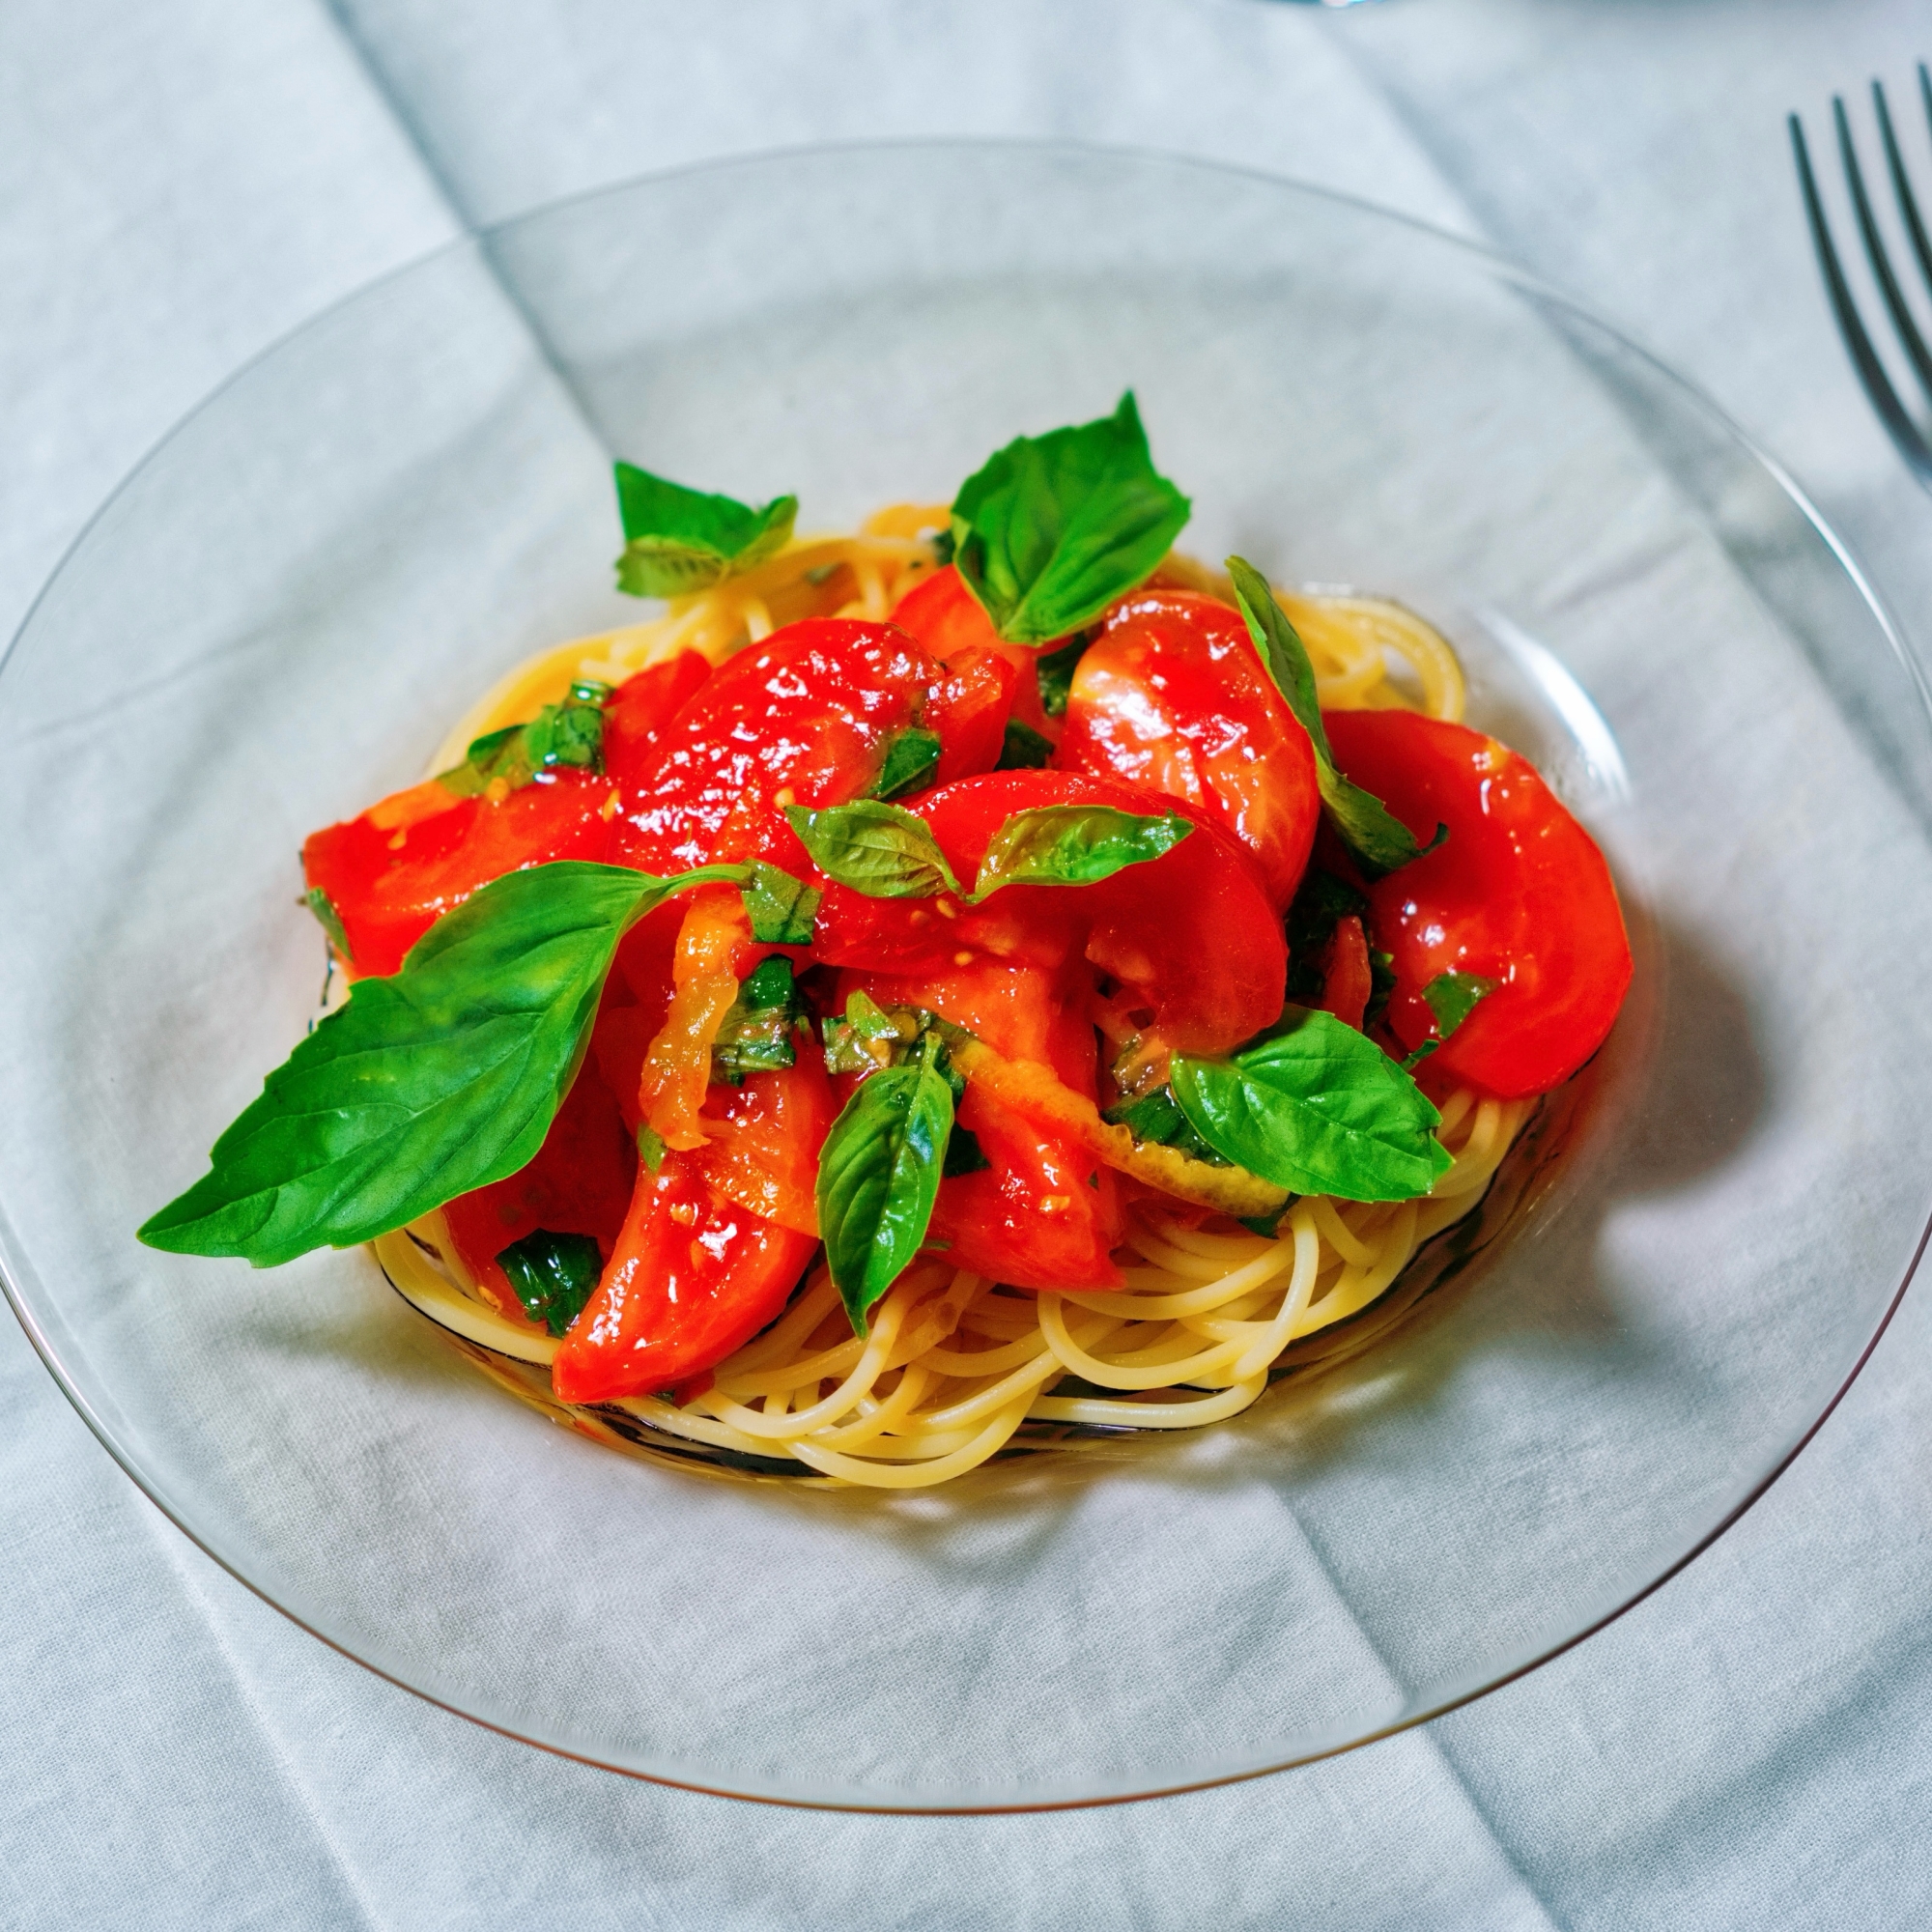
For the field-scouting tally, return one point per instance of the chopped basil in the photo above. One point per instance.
(430, 1082)
(651, 1149)
(1381, 988)
(554, 1275)
(963, 1154)
(1156, 1117)
(1052, 528)
(878, 1176)
(1317, 1108)
(1023, 749)
(910, 757)
(322, 906)
(1376, 837)
(758, 1029)
(677, 540)
(568, 735)
(1055, 671)
(1452, 997)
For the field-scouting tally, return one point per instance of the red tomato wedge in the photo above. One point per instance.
(580, 1182)
(1194, 933)
(1171, 696)
(1043, 1213)
(802, 719)
(1520, 893)
(948, 620)
(638, 716)
(695, 1274)
(393, 872)
(1346, 981)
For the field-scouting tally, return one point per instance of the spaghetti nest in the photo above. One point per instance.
(954, 1365)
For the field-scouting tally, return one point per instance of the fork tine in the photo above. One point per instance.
(1902, 185)
(1920, 357)
(1865, 359)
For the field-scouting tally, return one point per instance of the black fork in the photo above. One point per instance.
(1905, 433)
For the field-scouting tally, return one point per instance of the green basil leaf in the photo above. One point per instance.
(1377, 839)
(1054, 670)
(910, 757)
(678, 540)
(878, 1176)
(1051, 529)
(322, 906)
(758, 1029)
(651, 1149)
(1267, 1226)
(554, 1275)
(963, 1154)
(1317, 1108)
(1023, 749)
(1452, 998)
(567, 735)
(879, 849)
(1156, 1117)
(1322, 902)
(1074, 846)
(781, 909)
(1381, 988)
(430, 1082)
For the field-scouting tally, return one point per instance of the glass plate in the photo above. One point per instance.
(279, 615)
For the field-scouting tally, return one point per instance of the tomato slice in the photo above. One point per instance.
(1171, 696)
(1346, 981)
(579, 1183)
(1194, 933)
(695, 1274)
(948, 620)
(1043, 1213)
(394, 872)
(1520, 893)
(638, 716)
(802, 719)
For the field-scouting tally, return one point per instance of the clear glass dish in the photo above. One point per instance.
(279, 616)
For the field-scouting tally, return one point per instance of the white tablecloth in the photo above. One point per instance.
(1750, 1747)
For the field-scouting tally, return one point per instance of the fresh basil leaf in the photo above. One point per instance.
(1074, 846)
(1377, 839)
(1023, 749)
(1322, 902)
(878, 1176)
(651, 1149)
(568, 735)
(879, 849)
(430, 1082)
(758, 1029)
(781, 909)
(554, 1275)
(963, 1154)
(1051, 529)
(867, 1037)
(322, 906)
(910, 757)
(1452, 998)
(941, 547)
(1054, 670)
(1317, 1108)
(678, 540)
(1156, 1117)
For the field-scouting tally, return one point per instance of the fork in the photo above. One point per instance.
(1905, 433)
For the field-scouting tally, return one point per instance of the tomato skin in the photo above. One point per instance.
(1171, 696)
(969, 708)
(948, 620)
(1520, 893)
(806, 714)
(579, 1183)
(1193, 932)
(638, 716)
(394, 872)
(1346, 981)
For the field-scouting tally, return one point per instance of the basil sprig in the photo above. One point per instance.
(677, 540)
(878, 1176)
(430, 1082)
(1317, 1108)
(1052, 528)
(568, 735)
(1376, 837)
(890, 853)
(1452, 997)
(553, 1275)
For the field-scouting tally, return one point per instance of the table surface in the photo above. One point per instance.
(179, 186)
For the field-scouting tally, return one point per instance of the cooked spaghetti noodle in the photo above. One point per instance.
(953, 1364)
